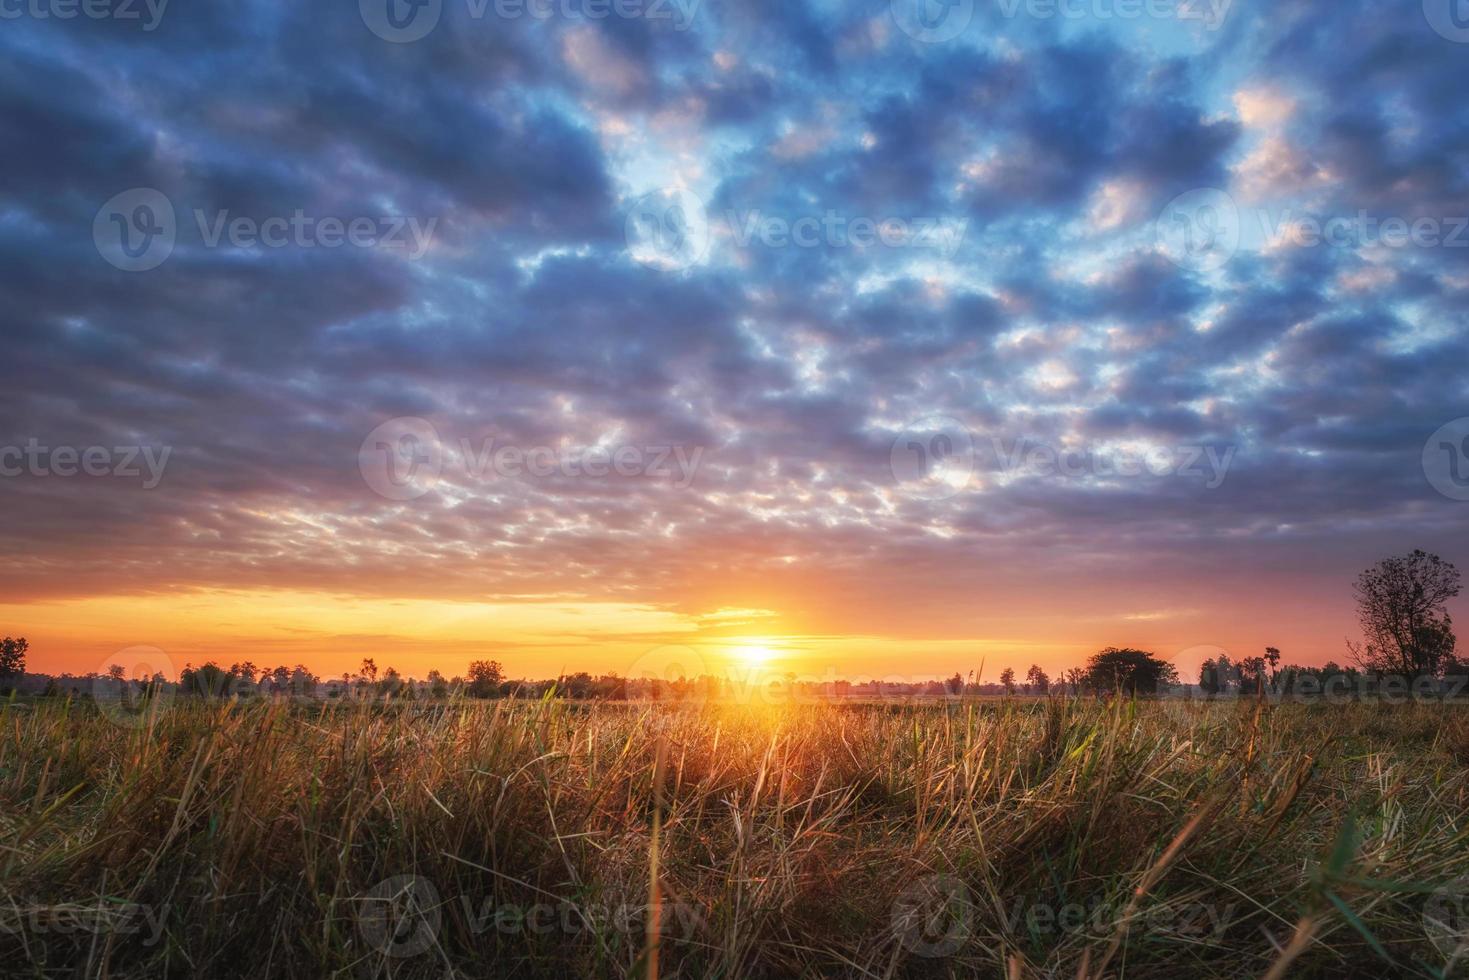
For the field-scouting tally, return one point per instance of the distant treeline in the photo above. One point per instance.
(1111, 671)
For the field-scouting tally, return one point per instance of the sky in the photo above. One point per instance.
(847, 339)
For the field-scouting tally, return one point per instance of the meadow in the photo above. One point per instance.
(1008, 838)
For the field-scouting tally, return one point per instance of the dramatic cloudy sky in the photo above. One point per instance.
(807, 247)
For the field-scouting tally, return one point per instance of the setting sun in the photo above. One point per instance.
(753, 655)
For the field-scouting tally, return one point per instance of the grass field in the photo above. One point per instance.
(1024, 839)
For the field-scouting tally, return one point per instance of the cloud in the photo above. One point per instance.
(1056, 319)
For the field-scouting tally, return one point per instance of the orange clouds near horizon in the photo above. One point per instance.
(332, 633)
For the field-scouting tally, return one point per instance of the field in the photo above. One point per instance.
(1018, 838)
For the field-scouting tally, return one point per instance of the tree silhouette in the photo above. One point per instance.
(485, 677)
(1401, 604)
(12, 660)
(1129, 671)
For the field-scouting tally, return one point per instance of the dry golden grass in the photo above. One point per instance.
(1024, 839)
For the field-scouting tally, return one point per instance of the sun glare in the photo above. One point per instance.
(753, 655)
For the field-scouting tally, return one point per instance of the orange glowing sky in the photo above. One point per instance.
(333, 632)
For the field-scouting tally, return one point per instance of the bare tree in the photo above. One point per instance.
(1406, 628)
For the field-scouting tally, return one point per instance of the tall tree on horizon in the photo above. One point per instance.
(1129, 671)
(12, 660)
(1402, 607)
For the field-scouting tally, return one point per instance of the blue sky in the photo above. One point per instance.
(1170, 298)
